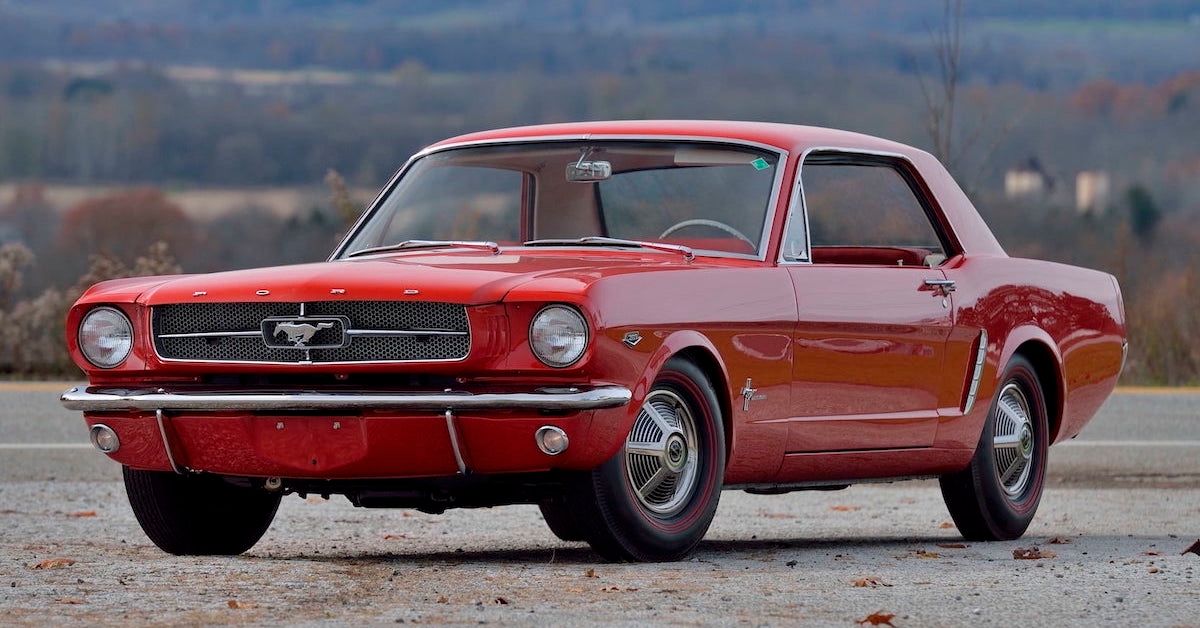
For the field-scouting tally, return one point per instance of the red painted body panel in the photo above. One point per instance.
(860, 371)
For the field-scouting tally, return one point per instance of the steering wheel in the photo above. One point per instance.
(705, 222)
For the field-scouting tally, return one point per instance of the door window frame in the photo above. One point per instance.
(900, 164)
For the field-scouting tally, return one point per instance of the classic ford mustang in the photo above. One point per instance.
(614, 321)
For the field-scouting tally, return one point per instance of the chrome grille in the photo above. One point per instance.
(378, 331)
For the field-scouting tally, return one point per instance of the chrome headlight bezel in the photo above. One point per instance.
(577, 345)
(93, 351)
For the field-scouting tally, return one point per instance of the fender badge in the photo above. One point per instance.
(262, 293)
(632, 338)
(199, 293)
(411, 291)
(337, 291)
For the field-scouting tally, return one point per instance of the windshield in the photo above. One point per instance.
(707, 196)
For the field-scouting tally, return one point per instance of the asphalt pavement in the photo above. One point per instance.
(1121, 509)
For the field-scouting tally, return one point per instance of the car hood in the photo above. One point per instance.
(468, 277)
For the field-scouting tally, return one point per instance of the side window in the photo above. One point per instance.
(866, 213)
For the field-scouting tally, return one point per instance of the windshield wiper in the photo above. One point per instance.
(688, 255)
(425, 244)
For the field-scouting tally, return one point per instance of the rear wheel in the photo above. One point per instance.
(198, 514)
(995, 498)
(654, 500)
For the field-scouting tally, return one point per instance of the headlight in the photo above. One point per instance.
(105, 337)
(558, 335)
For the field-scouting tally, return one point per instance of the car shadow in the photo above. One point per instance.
(581, 554)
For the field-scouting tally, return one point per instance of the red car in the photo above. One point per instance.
(615, 321)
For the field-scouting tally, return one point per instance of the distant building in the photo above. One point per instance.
(1027, 180)
(1092, 191)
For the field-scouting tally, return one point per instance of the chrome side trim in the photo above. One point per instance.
(452, 429)
(772, 202)
(976, 371)
(158, 400)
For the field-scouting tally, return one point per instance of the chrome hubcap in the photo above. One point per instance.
(660, 454)
(1013, 440)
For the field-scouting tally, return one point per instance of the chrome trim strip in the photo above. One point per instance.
(160, 416)
(214, 334)
(369, 333)
(798, 195)
(976, 371)
(452, 429)
(386, 333)
(157, 400)
(772, 202)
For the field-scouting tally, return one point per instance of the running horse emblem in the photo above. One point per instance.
(300, 333)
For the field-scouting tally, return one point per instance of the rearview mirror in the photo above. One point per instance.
(589, 171)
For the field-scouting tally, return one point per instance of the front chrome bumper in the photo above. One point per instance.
(95, 399)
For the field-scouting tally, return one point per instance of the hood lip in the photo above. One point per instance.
(316, 281)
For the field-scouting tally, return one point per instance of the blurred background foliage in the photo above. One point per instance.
(140, 137)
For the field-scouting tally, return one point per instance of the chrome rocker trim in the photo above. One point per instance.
(153, 400)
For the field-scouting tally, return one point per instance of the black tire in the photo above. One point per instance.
(561, 523)
(616, 523)
(981, 506)
(198, 514)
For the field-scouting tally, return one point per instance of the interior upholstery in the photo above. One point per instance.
(870, 255)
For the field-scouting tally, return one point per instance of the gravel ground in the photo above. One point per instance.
(767, 560)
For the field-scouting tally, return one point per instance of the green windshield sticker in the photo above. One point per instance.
(760, 164)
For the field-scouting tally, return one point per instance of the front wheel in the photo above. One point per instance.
(654, 500)
(995, 498)
(198, 514)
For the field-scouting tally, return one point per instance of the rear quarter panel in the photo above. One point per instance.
(1075, 313)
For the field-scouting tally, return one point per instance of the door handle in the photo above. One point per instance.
(944, 286)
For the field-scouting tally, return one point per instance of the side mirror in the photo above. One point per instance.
(589, 171)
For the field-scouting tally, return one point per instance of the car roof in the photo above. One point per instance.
(790, 137)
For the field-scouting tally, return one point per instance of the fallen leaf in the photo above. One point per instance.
(791, 563)
(393, 537)
(502, 601)
(1032, 553)
(1194, 548)
(922, 553)
(69, 600)
(611, 589)
(869, 581)
(443, 599)
(82, 513)
(775, 515)
(55, 563)
(840, 508)
(1058, 540)
(945, 525)
(878, 618)
(590, 573)
(238, 604)
(1151, 553)
(953, 545)
(1154, 570)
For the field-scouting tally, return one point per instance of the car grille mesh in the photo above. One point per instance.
(431, 331)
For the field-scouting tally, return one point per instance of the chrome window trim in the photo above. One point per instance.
(798, 194)
(772, 202)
